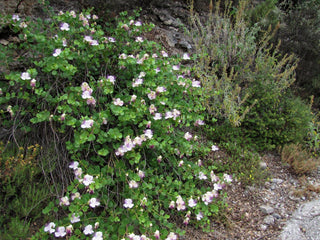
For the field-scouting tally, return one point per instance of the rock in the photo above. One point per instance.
(268, 220)
(263, 227)
(263, 165)
(266, 209)
(304, 224)
(276, 180)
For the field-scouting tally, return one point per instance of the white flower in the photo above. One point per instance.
(50, 227)
(57, 52)
(172, 236)
(87, 123)
(148, 133)
(86, 94)
(64, 27)
(161, 89)
(175, 67)
(61, 232)
(15, 17)
(74, 165)
(139, 39)
(133, 184)
(64, 201)
(187, 136)
(185, 56)
(157, 116)
(164, 54)
(25, 76)
(118, 102)
(88, 39)
(214, 148)
(196, 83)
(88, 230)
(75, 218)
(93, 202)
(97, 236)
(199, 216)
(202, 176)
(111, 79)
(87, 180)
(227, 178)
(180, 203)
(128, 203)
(192, 203)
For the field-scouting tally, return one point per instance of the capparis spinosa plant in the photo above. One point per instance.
(128, 114)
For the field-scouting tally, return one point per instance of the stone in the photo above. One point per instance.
(304, 223)
(266, 209)
(263, 165)
(268, 220)
(277, 180)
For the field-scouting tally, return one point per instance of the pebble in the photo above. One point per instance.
(266, 209)
(277, 180)
(269, 220)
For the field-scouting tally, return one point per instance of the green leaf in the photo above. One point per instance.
(114, 133)
(103, 152)
(41, 117)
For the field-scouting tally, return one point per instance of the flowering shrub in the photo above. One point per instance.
(128, 114)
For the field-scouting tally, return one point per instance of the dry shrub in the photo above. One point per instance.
(300, 160)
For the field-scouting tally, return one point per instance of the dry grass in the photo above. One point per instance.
(301, 160)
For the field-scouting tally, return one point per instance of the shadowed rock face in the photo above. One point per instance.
(167, 15)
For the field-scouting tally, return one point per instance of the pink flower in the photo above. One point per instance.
(33, 83)
(172, 205)
(141, 174)
(157, 234)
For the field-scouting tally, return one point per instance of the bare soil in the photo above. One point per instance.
(244, 219)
